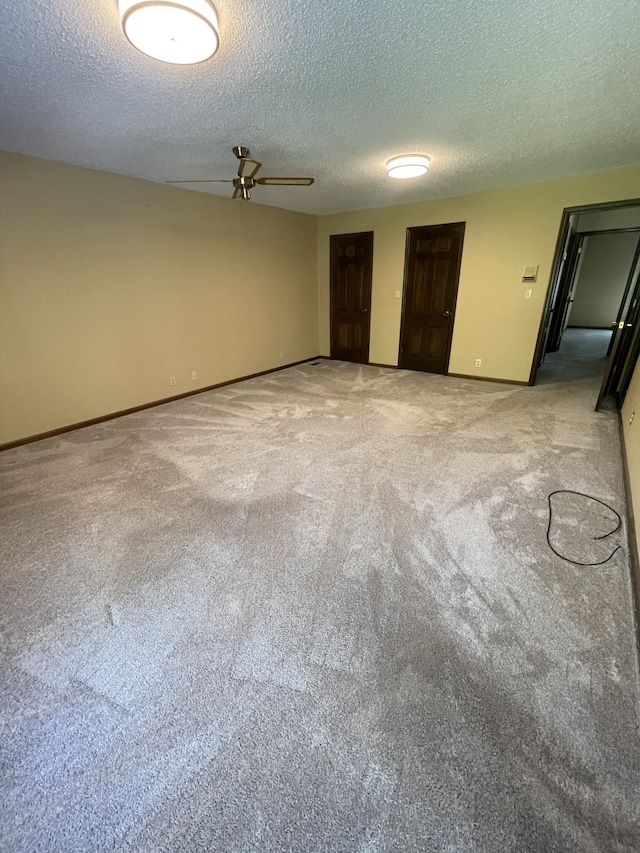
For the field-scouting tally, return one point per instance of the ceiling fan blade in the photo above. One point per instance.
(214, 181)
(289, 182)
(248, 168)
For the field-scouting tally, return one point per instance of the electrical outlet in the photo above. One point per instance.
(172, 380)
(478, 362)
(633, 414)
(397, 294)
(194, 375)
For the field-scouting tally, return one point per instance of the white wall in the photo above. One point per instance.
(624, 217)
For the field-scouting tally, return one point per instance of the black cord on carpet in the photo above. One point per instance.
(604, 535)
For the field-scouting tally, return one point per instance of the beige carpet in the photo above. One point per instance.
(317, 611)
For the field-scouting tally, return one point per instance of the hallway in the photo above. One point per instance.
(582, 355)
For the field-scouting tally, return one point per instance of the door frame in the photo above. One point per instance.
(557, 264)
(559, 303)
(455, 290)
(620, 348)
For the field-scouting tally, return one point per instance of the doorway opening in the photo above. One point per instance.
(589, 327)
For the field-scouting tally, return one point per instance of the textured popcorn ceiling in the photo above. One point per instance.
(497, 92)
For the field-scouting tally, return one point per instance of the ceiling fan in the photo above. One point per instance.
(246, 180)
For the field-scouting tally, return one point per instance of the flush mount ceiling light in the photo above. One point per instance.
(410, 166)
(182, 32)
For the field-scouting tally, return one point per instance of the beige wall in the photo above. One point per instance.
(111, 285)
(505, 230)
(601, 281)
(631, 431)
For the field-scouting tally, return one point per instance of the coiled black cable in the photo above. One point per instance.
(604, 535)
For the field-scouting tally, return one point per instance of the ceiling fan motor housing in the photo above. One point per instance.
(244, 182)
(244, 185)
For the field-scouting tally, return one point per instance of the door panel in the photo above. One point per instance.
(562, 299)
(351, 271)
(432, 270)
(623, 351)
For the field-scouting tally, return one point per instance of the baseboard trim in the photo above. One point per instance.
(102, 418)
(365, 363)
(490, 379)
(634, 559)
(456, 375)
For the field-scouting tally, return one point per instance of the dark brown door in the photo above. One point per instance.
(563, 296)
(351, 268)
(432, 270)
(625, 347)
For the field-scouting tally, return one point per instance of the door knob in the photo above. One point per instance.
(447, 313)
(364, 310)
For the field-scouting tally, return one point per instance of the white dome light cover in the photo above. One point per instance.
(183, 32)
(408, 166)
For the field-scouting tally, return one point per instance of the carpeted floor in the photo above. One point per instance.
(317, 611)
(582, 355)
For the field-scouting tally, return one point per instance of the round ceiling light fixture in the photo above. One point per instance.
(408, 166)
(183, 32)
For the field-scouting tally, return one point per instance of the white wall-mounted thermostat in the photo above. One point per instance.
(530, 274)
